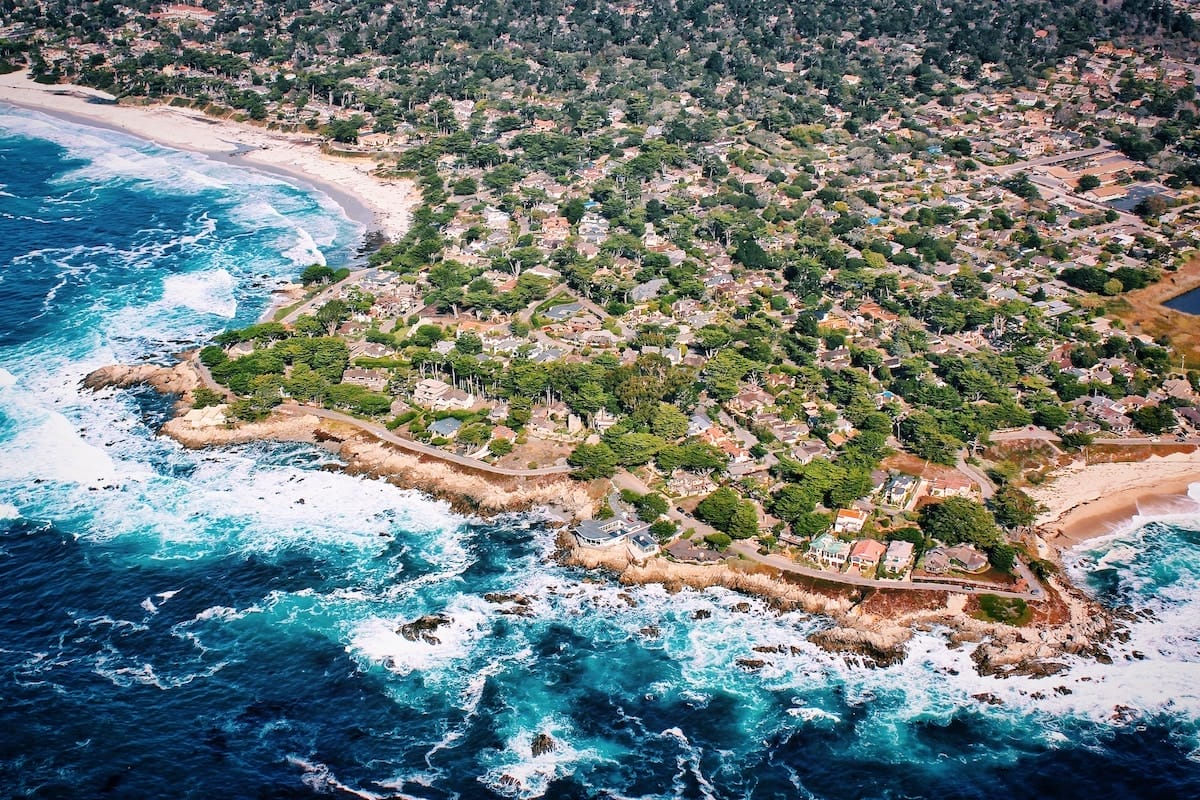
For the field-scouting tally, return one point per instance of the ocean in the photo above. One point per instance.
(184, 624)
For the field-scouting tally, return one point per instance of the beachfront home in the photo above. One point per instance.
(898, 555)
(830, 551)
(866, 553)
(599, 532)
(642, 546)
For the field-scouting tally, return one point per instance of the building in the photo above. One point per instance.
(898, 556)
(865, 553)
(445, 428)
(830, 551)
(441, 396)
(376, 380)
(849, 520)
(642, 546)
(599, 532)
(966, 557)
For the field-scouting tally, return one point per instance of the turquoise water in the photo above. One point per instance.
(180, 624)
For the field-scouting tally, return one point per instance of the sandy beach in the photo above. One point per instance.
(1085, 501)
(380, 205)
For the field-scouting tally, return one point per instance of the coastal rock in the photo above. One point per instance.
(179, 379)
(542, 744)
(875, 648)
(751, 664)
(422, 630)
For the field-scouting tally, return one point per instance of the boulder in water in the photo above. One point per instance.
(542, 744)
(422, 630)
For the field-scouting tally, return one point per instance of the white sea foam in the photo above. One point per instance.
(320, 777)
(209, 292)
(379, 640)
(9, 511)
(7, 379)
(305, 251)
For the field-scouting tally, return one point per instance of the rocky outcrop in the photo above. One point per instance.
(179, 379)
(423, 629)
(675, 576)
(872, 647)
(542, 744)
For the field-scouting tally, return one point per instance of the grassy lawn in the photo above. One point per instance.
(1007, 610)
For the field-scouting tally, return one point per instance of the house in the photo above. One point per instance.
(599, 532)
(642, 546)
(429, 391)
(829, 551)
(966, 557)
(866, 553)
(951, 485)
(445, 428)
(936, 561)
(898, 489)
(898, 556)
(849, 520)
(375, 380)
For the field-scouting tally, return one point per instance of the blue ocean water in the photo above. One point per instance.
(185, 624)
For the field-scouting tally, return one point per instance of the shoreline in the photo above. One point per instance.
(376, 204)
(1084, 502)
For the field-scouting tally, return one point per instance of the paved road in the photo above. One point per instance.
(979, 476)
(382, 433)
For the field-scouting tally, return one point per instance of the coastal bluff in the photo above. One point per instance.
(873, 627)
(468, 489)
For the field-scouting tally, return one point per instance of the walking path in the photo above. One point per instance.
(383, 434)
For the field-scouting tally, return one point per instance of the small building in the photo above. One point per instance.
(642, 546)
(375, 380)
(849, 520)
(936, 561)
(951, 485)
(866, 553)
(966, 557)
(828, 550)
(599, 532)
(897, 491)
(898, 556)
(445, 428)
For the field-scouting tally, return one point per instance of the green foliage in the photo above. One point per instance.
(204, 397)
(651, 506)
(1013, 508)
(958, 519)
(1154, 420)
(1006, 610)
(316, 273)
(663, 530)
(592, 461)
(718, 541)
(500, 447)
(719, 507)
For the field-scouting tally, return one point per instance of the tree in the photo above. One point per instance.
(500, 447)
(1088, 182)
(592, 461)
(669, 422)
(718, 541)
(332, 314)
(1153, 419)
(719, 507)
(744, 522)
(1013, 508)
(316, 273)
(958, 519)
(663, 530)
(651, 506)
